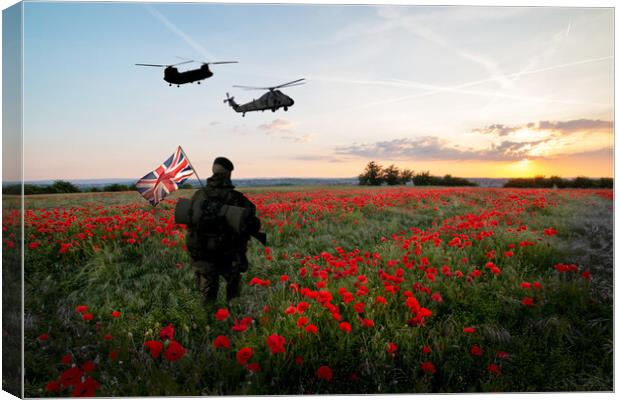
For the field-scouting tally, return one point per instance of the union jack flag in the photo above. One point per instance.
(166, 178)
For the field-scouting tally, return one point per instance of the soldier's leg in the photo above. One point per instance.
(212, 284)
(206, 279)
(233, 285)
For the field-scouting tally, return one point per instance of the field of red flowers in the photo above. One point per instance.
(389, 290)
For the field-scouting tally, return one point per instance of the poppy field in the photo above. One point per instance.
(383, 290)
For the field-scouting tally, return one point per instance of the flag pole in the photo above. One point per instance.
(190, 164)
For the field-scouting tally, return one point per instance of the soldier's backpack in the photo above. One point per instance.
(216, 224)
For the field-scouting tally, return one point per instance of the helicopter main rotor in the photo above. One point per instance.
(163, 65)
(272, 88)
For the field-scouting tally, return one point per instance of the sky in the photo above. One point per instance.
(467, 91)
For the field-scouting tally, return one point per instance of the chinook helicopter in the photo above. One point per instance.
(174, 77)
(272, 100)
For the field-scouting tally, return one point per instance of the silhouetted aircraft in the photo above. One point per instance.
(272, 100)
(174, 77)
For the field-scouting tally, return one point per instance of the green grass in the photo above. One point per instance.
(563, 343)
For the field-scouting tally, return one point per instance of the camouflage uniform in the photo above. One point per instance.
(214, 248)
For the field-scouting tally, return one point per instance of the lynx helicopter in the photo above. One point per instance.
(173, 76)
(272, 100)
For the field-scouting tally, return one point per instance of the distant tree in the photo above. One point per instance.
(373, 175)
(582, 182)
(606, 183)
(406, 175)
(60, 186)
(422, 179)
(94, 189)
(187, 186)
(557, 182)
(391, 175)
(540, 181)
(115, 187)
(12, 189)
(449, 180)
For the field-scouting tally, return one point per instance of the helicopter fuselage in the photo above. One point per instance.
(173, 76)
(271, 100)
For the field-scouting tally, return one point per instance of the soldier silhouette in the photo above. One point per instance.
(217, 243)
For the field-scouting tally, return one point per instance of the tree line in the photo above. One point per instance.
(376, 175)
(61, 186)
(579, 182)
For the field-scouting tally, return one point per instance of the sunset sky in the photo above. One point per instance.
(467, 91)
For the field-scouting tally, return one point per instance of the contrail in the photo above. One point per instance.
(440, 89)
(197, 47)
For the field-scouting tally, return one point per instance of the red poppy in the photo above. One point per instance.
(526, 285)
(469, 330)
(325, 373)
(428, 367)
(155, 347)
(550, 231)
(43, 337)
(221, 342)
(527, 301)
(311, 328)
(368, 323)
(494, 369)
(380, 299)
(299, 360)
(475, 350)
(87, 316)
(301, 321)
(283, 278)
(345, 327)
(174, 351)
(502, 354)
(537, 285)
(436, 297)
(302, 306)
(241, 326)
(81, 309)
(426, 349)
(107, 337)
(88, 366)
(66, 359)
(244, 354)
(71, 376)
(221, 314)
(53, 387)
(254, 367)
(276, 344)
(87, 388)
(359, 307)
(116, 314)
(113, 355)
(290, 310)
(166, 332)
(391, 347)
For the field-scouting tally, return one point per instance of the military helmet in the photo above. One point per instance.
(222, 163)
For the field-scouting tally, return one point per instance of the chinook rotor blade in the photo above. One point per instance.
(163, 65)
(184, 62)
(221, 62)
